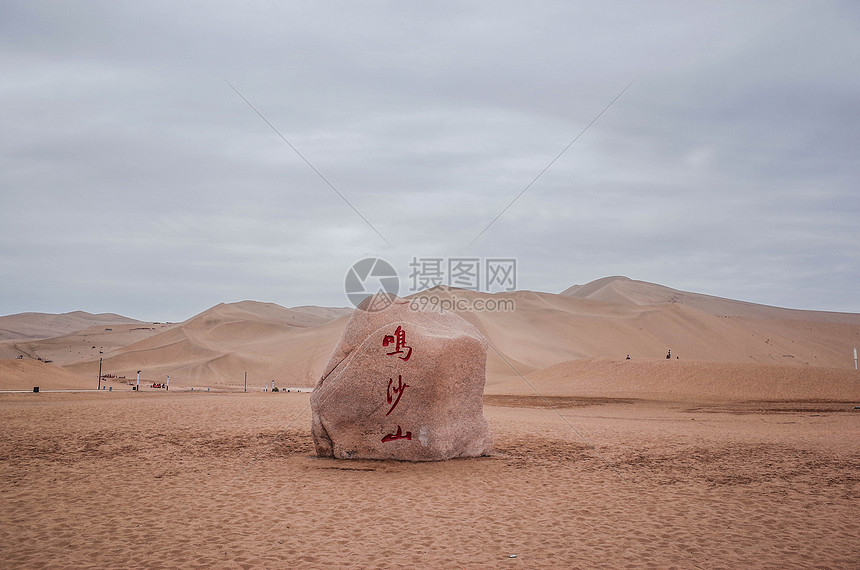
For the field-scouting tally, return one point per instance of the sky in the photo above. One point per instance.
(134, 179)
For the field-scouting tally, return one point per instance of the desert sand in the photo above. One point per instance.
(743, 450)
(166, 480)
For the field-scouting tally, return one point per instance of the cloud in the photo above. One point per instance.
(134, 179)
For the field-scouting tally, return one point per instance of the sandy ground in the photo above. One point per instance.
(193, 480)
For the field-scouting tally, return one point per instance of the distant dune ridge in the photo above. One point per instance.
(618, 289)
(574, 342)
(217, 347)
(43, 325)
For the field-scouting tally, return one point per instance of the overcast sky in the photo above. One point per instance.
(133, 179)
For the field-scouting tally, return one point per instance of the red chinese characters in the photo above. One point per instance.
(399, 340)
(398, 435)
(395, 390)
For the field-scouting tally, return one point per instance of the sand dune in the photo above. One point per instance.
(25, 374)
(82, 345)
(216, 347)
(623, 290)
(546, 336)
(44, 325)
(547, 329)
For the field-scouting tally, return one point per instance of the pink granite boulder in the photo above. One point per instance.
(403, 384)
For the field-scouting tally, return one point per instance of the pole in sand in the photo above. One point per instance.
(137, 388)
(168, 381)
(246, 380)
(100, 373)
(855, 358)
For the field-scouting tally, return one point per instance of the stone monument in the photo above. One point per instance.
(403, 384)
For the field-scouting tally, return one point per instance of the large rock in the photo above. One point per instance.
(403, 384)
